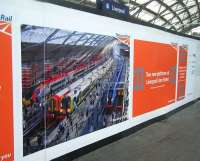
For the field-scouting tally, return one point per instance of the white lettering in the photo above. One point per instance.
(118, 10)
(5, 156)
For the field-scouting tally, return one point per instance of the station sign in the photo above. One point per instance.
(108, 5)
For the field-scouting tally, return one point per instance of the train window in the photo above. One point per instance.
(52, 105)
(120, 101)
(119, 93)
(68, 101)
(75, 99)
(64, 103)
(109, 100)
(58, 84)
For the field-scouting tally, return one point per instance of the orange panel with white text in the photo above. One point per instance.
(154, 76)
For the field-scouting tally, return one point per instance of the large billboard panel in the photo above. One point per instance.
(73, 83)
(154, 80)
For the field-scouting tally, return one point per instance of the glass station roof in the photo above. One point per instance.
(33, 34)
(178, 15)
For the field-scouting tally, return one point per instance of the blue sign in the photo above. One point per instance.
(109, 5)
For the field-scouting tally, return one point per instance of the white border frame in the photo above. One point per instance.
(48, 15)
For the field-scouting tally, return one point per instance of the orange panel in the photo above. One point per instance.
(6, 96)
(182, 70)
(154, 76)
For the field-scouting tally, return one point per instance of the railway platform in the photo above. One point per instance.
(175, 138)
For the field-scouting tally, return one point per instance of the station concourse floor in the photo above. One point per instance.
(176, 138)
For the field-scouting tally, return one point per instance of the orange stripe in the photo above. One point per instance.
(6, 98)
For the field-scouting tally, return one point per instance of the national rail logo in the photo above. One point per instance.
(4, 17)
(5, 24)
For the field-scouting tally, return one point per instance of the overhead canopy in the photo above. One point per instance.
(57, 42)
(178, 15)
(33, 34)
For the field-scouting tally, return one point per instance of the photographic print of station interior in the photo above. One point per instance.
(73, 83)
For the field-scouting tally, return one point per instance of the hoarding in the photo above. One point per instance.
(74, 78)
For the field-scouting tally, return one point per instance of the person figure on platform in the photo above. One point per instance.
(39, 141)
(112, 118)
(104, 121)
(61, 128)
(28, 145)
(76, 125)
(97, 121)
(67, 134)
(71, 122)
(87, 112)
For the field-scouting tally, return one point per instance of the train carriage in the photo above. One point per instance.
(64, 102)
(115, 94)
